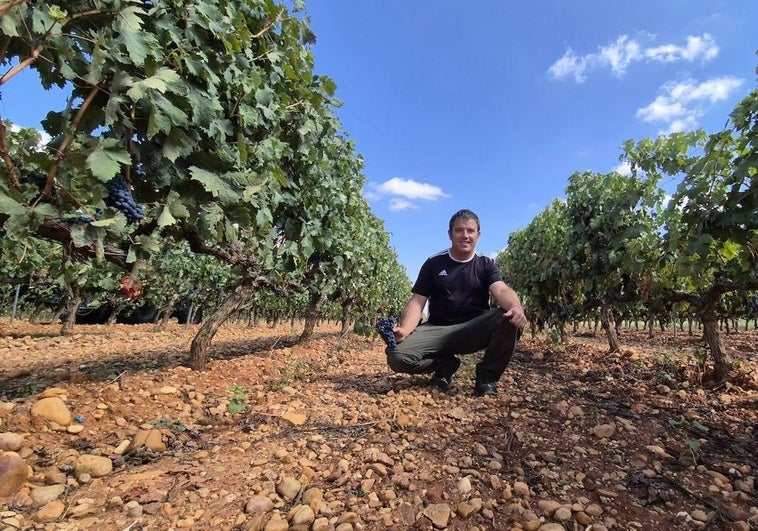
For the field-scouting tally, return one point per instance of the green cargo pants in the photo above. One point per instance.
(430, 347)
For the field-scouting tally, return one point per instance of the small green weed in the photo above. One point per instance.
(693, 445)
(237, 399)
(668, 367)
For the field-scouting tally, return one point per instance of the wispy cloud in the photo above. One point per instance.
(397, 204)
(620, 54)
(411, 189)
(403, 193)
(680, 104)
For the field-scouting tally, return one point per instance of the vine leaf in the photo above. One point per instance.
(106, 159)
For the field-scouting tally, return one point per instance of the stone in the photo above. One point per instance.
(259, 504)
(151, 439)
(13, 473)
(53, 409)
(604, 431)
(521, 489)
(465, 509)
(44, 495)
(439, 514)
(464, 485)
(288, 488)
(302, 515)
(49, 512)
(295, 418)
(11, 442)
(96, 466)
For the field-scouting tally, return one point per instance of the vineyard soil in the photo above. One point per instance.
(323, 436)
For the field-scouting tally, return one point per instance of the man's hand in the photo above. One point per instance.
(400, 334)
(515, 315)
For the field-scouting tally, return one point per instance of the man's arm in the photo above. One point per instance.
(411, 317)
(509, 302)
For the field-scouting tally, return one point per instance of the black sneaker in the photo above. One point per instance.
(485, 389)
(443, 376)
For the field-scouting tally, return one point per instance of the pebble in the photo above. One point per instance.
(49, 512)
(94, 466)
(53, 409)
(11, 442)
(13, 473)
(288, 488)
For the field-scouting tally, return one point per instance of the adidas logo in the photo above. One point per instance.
(442, 273)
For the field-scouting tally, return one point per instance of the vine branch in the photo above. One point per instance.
(67, 140)
(7, 7)
(23, 64)
(268, 25)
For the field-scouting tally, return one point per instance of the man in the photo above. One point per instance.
(458, 283)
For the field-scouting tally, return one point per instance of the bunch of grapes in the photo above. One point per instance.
(384, 326)
(37, 179)
(120, 198)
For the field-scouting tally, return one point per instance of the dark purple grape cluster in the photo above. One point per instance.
(120, 198)
(37, 179)
(384, 326)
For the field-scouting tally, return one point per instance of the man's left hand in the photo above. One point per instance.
(516, 316)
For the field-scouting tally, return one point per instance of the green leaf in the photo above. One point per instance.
(9, 206)
(177, 208)
(264, 96)
(107, 222)
(165, 219)
(730, 250)
(106, 159)
(210, 181)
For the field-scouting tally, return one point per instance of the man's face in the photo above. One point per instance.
(464, 236)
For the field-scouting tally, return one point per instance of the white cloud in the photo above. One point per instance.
(411, 189)
(403, 194)
(619, 55)
(680, 104)
(697, 47)
(397, 204)
(569, 65)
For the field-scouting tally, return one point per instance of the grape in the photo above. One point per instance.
(37, 179)
(384, 326)
(120, 198)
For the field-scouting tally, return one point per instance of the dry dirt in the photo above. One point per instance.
(326, 437)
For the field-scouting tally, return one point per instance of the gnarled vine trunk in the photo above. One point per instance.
(74, 294)
(347, 320)
(204, 336)
(311, 316)
(166, 312)
(609, 325)
(722, 361)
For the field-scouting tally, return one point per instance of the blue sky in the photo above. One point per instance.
(492, 105)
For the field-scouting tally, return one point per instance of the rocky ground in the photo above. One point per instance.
(109, 430)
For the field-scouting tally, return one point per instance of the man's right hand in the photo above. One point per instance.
(400, 334)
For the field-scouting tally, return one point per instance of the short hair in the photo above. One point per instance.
(464, 215)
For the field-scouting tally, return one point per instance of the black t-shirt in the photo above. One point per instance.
(457, 291)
